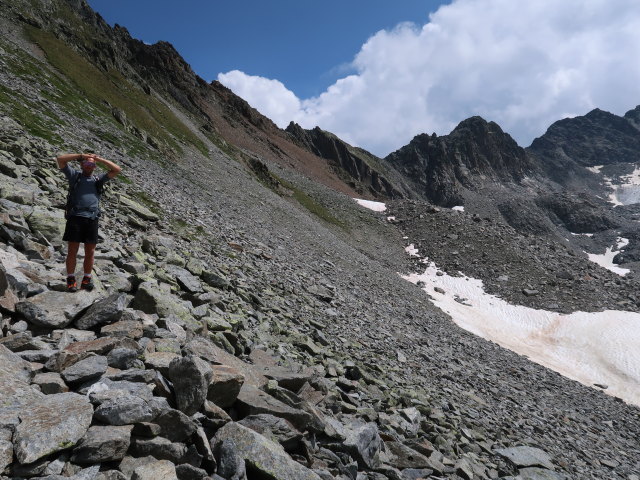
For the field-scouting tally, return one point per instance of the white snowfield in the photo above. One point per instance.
(593, 348)
(601, 348)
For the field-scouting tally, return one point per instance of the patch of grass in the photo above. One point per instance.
(97, 87)
(35, 118)
(311, 205)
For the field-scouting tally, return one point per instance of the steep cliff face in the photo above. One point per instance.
(477, 152)
(357, 167)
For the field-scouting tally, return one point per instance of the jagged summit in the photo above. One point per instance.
(474, 153)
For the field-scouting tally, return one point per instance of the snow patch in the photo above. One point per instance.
(606, 259)
(411, 250)
(592, 348)
(371, 205)
(458, 208)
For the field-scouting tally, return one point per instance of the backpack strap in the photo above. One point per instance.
(72, 187)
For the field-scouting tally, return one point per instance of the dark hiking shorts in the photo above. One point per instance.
(81, 229)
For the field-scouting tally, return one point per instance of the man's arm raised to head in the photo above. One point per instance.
(113, 168)
(62, 160)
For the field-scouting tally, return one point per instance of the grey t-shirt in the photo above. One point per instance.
(85, 199)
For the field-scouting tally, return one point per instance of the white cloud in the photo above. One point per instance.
(521, 64)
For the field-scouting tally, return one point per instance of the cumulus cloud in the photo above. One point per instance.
(523, 65)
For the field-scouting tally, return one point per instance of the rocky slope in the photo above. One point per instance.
(249, 322)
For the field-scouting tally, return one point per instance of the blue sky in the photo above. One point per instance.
(306, 44)
(378, 72)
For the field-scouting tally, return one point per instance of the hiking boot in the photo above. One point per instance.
(87, 284)
(72, 286)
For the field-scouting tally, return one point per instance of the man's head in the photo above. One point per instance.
(88, 165)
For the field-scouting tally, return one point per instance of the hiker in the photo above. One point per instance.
(83, 211)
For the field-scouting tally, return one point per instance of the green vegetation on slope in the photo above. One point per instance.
(111, 88)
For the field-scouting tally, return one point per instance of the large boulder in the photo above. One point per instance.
(48, 222)
(361, 440)
(103, 444)
(103, 312)
(252, 401)
(191, 377)
(151, 299)
(261, 454)
(210, 352)
(56, 423)
(225, 385)
(54, 309)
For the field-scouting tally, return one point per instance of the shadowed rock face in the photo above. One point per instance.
(598, 138)
(354, 165)
(477, 151)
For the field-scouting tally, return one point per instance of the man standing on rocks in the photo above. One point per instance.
(83, 211)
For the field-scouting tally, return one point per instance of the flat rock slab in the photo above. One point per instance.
(252, 401)
(87, 369)
(526, 457)
(56, 423)
(55, 309)
(262, 454)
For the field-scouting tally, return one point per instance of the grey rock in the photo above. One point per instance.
(104, 311)
(191, 377)
(6, 454)
(535, 473)
(53, 310)
(526, 456)
(88, 369)
(135, 375)
(110, 475)
(189, 472)
(160, 470)
(262, 454)
(129, 464)
(362, 441)
(102, 444)
(402, 456)
(252, 401)
(225, 385)
(160, 448)
(50, 383)
(231, 464)
(160, 361)
(54, 424)
(125, 328)
(210, 352)
(175, 425)
(123, 358)
(125, 410)
(275, 428)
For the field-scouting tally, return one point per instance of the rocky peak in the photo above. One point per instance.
(476, 151)
(633, 117)
(598, 138)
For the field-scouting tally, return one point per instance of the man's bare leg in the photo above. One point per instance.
(72, 253)
(89, 253)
